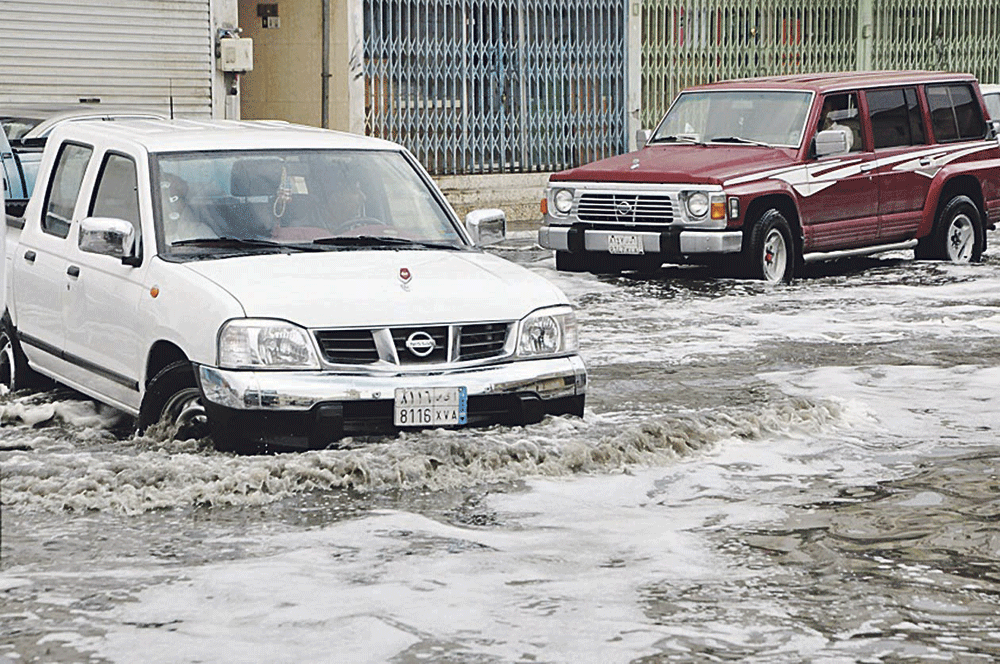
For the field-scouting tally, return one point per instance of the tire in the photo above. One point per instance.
(15, 374)
(769, 251)
(958, 235)
(173, 397)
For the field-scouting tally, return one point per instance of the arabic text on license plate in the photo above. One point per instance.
(625, 244)
(430, 406)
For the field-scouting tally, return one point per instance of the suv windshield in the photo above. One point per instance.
(744, 116)
(225, 202)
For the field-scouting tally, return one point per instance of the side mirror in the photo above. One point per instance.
(833, 142)
(993, 128)
(642, 137)
(107, 236)
(486, 226)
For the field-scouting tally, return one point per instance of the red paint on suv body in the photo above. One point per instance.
(834, 164)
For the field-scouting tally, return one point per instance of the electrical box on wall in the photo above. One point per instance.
(236, 55)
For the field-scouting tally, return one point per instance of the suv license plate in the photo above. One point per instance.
(625, 244)
(430, 406)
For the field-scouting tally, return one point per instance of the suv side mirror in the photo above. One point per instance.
(642, 137)
(833, 142)
(107, 236)
(486, 226)
(992, 128)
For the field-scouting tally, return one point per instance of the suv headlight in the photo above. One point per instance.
(563, 200)
(696, 204)
(256, 343)
(548, 332)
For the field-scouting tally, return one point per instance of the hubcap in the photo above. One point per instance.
(961, 239)
(775, 258)
(186, 412)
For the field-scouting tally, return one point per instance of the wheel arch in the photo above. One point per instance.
(784, 204)
(960, 185)
(162, 354)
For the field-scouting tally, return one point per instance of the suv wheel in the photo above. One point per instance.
(769, 252)
(15, 374)
(958, 236)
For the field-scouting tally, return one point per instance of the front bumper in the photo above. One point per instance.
(673, 242)
(309, 409)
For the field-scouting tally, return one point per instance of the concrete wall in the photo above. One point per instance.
(286, 79)
(518, 195)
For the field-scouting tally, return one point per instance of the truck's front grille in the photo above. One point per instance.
(477, 342)
(626, 208)
(415, 345)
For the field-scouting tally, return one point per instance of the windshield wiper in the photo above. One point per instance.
(228, 242)
(380, 241)
(676, 138)
(738, 139)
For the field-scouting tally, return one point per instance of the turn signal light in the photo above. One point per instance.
(545, 206)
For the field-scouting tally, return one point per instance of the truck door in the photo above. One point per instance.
(101, 312)
(840, 205)
(40, 269)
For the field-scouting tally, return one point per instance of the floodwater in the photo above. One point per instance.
(764, 474)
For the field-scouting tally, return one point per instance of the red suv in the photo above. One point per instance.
(763, 175)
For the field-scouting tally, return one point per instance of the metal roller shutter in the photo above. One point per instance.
(140, 53)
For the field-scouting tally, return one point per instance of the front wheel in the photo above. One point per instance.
(958, 236)
(173, 398)
(768, 250)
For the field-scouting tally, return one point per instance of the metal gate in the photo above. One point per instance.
(491, 86)
(687, 42)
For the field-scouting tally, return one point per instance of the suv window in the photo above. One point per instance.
(840, 111)
(955, 113)
(895, 116)
(71, 164)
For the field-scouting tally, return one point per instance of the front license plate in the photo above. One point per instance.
(625, 244)
(430, 407)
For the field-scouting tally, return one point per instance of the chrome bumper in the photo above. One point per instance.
(549, 378)
(691, 241)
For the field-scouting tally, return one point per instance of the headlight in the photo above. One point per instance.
(250, 343)
(563, 200)
(697, 204)
(548, 332)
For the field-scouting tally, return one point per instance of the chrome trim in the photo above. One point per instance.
(711, 242)
(550, 378)
(817, 256)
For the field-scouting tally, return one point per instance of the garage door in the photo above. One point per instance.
(147, 53)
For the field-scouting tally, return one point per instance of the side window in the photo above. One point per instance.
(840, 111)
(71, 164)
(895, 116)
(955, 113)
(117, 192)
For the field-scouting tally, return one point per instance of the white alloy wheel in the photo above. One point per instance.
(961, 239)
(774, 258)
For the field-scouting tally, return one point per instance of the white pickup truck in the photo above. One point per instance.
(274, 286)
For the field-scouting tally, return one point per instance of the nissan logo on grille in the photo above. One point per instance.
(623, 208)
(420, 344)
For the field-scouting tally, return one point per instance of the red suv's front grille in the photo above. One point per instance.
(626, 208)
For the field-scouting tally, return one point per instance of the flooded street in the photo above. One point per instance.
(764, 474)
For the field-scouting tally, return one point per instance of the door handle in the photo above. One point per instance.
(868, 167)
(29, 256)
(926, 161)
(73, 271)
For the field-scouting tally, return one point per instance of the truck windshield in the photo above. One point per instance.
(753, 117)
(226, 201)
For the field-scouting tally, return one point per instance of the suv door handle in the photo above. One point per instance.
(926, 161)
(73, 271)
(29, 256)
(868, 167)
